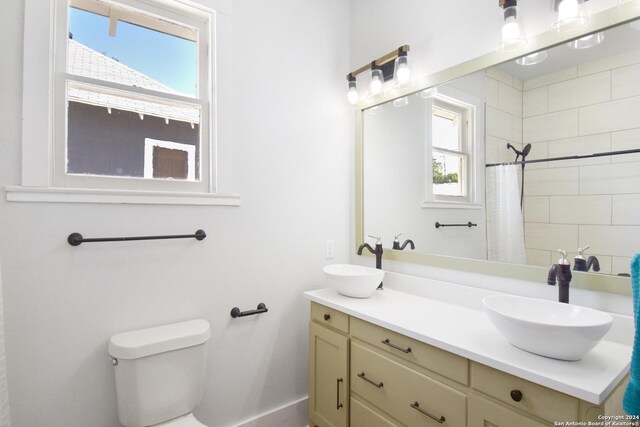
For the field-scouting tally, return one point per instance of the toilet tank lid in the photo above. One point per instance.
(160, 339)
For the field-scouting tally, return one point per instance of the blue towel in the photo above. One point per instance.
(631, 401)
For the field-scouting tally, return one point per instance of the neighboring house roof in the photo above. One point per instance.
(84, 61)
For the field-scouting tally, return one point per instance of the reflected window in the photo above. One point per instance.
(450, 150)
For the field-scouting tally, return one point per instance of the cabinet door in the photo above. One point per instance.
(483, 413)
(328, 377)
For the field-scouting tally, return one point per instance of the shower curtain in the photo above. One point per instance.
(505, 229)
(5, 419)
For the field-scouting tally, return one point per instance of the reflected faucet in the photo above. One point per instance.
(582, 264)
(396, 243)
(562, 273)
(377, 252)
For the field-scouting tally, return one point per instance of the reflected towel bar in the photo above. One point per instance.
(469, 224)
(235, 311)
(75, 239)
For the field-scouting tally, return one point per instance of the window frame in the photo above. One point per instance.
(466, 109)
(42, 45)
(464, 146)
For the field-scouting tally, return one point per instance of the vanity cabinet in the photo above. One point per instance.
(392, 380)
(328, 368)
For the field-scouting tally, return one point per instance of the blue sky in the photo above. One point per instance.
(167, 59)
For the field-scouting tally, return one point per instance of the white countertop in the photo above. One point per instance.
(469, 333)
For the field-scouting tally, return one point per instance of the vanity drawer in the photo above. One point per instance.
(425, 355)
(533, 398)
(363, 416)
(330, 317)
(410, 397)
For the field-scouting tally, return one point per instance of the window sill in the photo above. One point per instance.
(450, 205)
(77, 195)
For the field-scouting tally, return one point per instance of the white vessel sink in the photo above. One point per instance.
(355, 281)
(548, 328)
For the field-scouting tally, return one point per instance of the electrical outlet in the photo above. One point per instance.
(330, 249)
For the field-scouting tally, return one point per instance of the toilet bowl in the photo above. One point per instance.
(160, 374)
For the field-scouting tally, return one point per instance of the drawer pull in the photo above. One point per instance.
(327, 317)
(338, 404)
(404, 350)
(416, 406)
(516, 395)
(362, 375)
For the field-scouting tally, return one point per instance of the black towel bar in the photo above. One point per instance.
(235, 311)
(75, 239)
(469, 224)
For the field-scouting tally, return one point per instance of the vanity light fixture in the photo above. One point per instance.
(571, 14)
(532, 59)
(513, 33)
(587, 41)
(393, 64)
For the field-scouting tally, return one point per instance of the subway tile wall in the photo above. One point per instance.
(593, 107)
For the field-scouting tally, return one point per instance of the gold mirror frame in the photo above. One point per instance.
(612, 17)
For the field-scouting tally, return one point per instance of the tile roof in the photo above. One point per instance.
(84, 61)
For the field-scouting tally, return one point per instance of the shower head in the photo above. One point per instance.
(524, 153)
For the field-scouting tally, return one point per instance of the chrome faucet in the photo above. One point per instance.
(561, 272)
(398, 247)
(377, 252)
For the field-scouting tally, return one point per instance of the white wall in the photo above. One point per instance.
(293, 145)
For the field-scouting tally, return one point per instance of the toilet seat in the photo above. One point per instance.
(184, 421)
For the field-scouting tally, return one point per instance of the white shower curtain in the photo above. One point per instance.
(5, 419)
(505, 230)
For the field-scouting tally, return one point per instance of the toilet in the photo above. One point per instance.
(160, 374)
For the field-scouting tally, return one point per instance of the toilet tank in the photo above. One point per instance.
(159, 371)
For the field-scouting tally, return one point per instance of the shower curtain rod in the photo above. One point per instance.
(577, 156)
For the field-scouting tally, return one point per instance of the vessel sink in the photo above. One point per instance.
(355, 281)
(547, 328)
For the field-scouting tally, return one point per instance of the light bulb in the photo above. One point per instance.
(513, 33)
(510, 31)
(534, 58)
(428, 93)
(402, 72)
(376, 81)
(567, 9)
(352, 96)
(586, 41)
(571, 14)
(401, 102)
(352, 93)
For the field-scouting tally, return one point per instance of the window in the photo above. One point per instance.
(130, 74)
(451, 151)
(131, 101)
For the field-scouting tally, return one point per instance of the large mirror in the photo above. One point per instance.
(432, 162)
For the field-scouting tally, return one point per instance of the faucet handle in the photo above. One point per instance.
(378, 239)
(563, 257)
(581, 250)
(395, 238)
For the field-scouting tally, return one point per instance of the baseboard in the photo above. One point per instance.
(293, 414)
